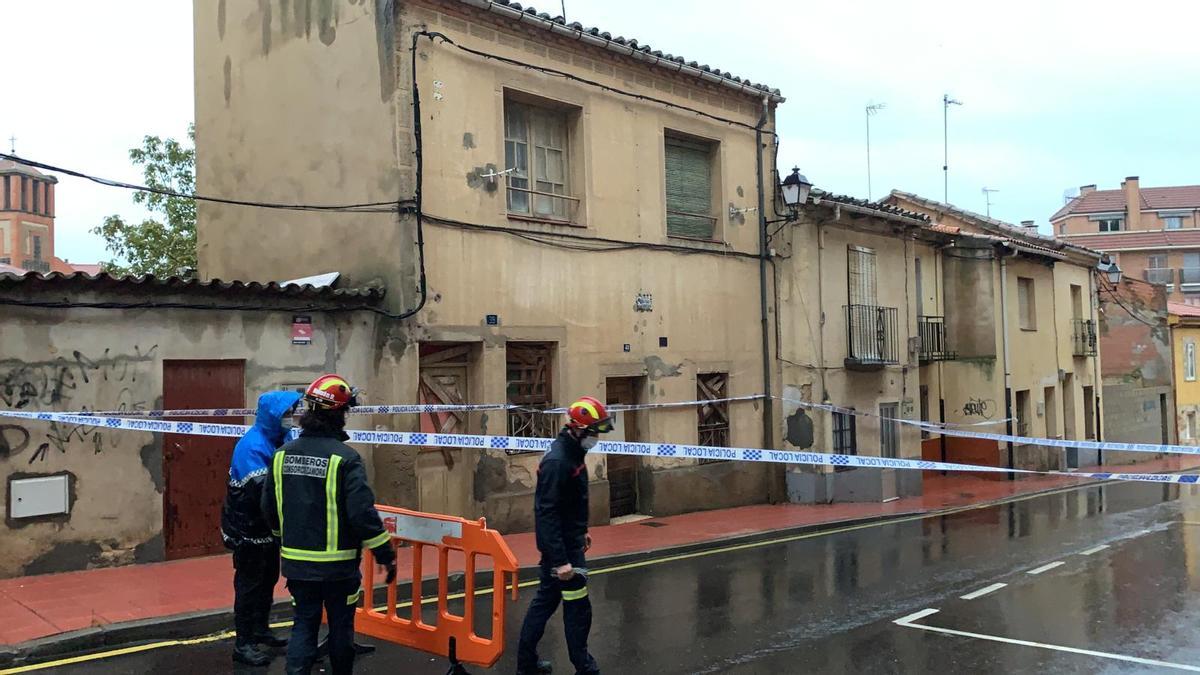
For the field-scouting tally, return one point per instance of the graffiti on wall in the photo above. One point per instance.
(979, 407)
(69, 383)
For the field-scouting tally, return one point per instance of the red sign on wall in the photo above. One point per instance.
(302, 330)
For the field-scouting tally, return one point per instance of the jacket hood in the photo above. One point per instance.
(272, 406)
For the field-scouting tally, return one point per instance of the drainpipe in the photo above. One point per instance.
(1008, 407)
(1094, 301)
(768, 422)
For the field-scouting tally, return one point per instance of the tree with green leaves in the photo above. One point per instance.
(164, 245)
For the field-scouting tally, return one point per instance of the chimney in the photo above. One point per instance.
(1087, 189)
(1133, 203)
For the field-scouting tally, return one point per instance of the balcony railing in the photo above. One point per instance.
(1084, 337)
(1189, 277)
(34, 265)
(932, 333)
(1163, 276)
(872, 337)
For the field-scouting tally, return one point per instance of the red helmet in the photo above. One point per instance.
(330, 392)
(589, 414)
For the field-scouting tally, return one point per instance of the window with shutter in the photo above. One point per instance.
(689, 188)
(861, 263)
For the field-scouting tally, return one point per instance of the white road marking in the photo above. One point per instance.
(983, 591)
(916, 616)
(1095, 549)
(1045, 568)
(907, 622)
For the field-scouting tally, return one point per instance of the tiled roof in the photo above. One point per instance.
(1152, 198)
(23, 282)
(1136, 239)
(1181, 309)
(8, 166)
(883, 209)
(1027, 240)
(92, 269)
(628, 46)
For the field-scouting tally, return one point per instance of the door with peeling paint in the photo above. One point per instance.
(196, 468)
(443, 474)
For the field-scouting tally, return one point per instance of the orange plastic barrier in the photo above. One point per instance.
(452, 636)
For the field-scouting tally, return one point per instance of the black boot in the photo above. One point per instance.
(542, 668)
(250, 655)
(269, 638)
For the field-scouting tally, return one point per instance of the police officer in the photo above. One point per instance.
(246, 533)
(561, 520)
(317, 501)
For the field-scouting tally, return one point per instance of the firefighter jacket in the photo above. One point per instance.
(242, 521)
(561, 502)
(318, 503)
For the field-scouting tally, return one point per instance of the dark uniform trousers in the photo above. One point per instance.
(256, 571)
(338, 597)
(577, 617)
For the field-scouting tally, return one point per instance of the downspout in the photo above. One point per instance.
(1008, 406)
(768, 422)
(1094, 301)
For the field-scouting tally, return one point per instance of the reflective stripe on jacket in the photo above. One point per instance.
(318, 503)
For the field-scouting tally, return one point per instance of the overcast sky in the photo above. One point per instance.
(1055, 94)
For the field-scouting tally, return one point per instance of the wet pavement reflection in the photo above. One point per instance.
(827, 603)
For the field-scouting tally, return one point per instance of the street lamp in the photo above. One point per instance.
(1111, 270)
(795, 189)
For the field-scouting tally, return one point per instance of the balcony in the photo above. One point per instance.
(932, 333)
(35, 265)
(1189, 278)
(872, 337)
(1083, 337)
(1163, 276)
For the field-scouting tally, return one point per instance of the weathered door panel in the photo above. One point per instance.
(196, 468)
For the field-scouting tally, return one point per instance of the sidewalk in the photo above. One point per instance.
(50, 605)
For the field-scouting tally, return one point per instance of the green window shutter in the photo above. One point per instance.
(689, 189)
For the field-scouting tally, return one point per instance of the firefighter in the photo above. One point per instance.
(561, 523)
(317, 501)
(246, 533)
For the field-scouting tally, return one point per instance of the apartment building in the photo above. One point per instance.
(1152, 232)
(1021, 329)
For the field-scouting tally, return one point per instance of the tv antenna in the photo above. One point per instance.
(987, 196)
(871, 109)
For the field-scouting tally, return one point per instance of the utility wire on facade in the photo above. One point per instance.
(370, 207)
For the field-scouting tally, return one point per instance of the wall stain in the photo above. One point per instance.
(385, 46)
(264, 7)
(476, 180)
(65, 557)
(151, 550)
(228, 79)
(491, 477)
(221, 19)
(326, 21)
(468, 140)
(799, 429)
(656, 368)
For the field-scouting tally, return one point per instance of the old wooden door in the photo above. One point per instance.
(444, 474)
(623, 469)
(196, 468)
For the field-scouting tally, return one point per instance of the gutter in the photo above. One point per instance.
(624, 50)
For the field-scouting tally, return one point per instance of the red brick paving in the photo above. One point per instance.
(35, 607)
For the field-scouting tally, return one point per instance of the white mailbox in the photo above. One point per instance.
(41, 496)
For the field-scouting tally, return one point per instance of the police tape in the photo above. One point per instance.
(422, 408)
(1114, 446)
(627, 448)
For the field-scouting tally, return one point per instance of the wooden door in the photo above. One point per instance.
(196, 468)
(623, 469)
(443, 474)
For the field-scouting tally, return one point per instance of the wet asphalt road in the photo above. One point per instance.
(1125, 588)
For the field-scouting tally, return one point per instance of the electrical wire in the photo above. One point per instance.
(370, 207)
(1112, 291)
(548, 239)
(582, 80)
